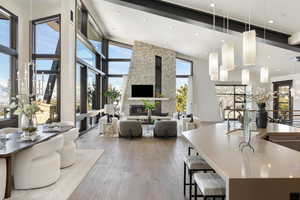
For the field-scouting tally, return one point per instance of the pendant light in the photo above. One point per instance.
(228, 56)
(228, 52)
(264, 71)
(264, 74)
(245, 76)
(223, 73)
(213, 66)
(249, 46)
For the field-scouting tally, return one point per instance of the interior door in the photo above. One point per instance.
(283, 103)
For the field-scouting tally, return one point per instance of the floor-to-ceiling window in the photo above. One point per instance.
(46, 54)
(89, 59)
(118, 64)
(8, 65)
(184, 70)
(231, 99)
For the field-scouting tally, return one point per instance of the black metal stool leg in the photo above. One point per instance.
(191, 179)
(184, 179)
(195, 192)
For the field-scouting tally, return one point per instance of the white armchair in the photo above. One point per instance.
(68, 152)
(2, 177)
(38, 166)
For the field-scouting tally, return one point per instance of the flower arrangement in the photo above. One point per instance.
(261, 96)
(25, 105)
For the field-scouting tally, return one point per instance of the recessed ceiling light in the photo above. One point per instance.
(212, 5)
(271, 21)
(269, 57)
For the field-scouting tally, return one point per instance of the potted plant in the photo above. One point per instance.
(113, 96)
(26, 107)
(261, 97)
(149, 106)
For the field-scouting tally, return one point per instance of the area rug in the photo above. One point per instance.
(67, 183)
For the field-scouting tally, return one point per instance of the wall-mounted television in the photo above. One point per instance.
(141, 90)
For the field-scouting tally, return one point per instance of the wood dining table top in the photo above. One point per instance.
(15, 143)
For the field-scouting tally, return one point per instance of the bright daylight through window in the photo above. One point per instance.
(183, 73)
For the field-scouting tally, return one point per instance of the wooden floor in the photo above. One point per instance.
(138, 169)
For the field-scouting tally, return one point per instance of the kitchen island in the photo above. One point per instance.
(272, 171)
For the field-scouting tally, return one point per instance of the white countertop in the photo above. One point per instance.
(221, 151)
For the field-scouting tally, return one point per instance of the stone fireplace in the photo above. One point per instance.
(143, 71)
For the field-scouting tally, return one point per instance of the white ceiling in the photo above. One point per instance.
(126, 25)
(285, 13)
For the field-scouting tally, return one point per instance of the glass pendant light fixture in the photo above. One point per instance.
(245, 76)
(228, 56)
(264, 74)
(249, 45)
(228, 52)
(213, 66)
(264, 71)
(249, 48)
(223, 73)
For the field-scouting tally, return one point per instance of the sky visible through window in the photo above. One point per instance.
(183, 67)
(115, 82)
(4, 63)
(119, 52)
(85, 54)
(46, 38)
(118, 67)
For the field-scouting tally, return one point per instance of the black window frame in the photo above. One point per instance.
(183, 76)
(82, 36)
(234, 95)
(56, 58)
(12, 51)
(110, 60)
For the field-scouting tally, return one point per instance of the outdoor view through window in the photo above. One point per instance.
(5, 67)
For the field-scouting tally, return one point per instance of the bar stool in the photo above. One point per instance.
(193, 164)
(211, 185)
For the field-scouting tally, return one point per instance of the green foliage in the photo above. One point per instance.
(149, 105)
(113, 95)
(181, 98)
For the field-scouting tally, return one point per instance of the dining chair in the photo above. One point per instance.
(38, 166)
(2, 177)
(68, 152)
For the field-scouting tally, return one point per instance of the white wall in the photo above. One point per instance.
(205, 102)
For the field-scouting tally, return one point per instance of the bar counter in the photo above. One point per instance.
(272, 171)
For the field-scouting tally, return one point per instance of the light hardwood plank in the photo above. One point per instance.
(146, 168)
